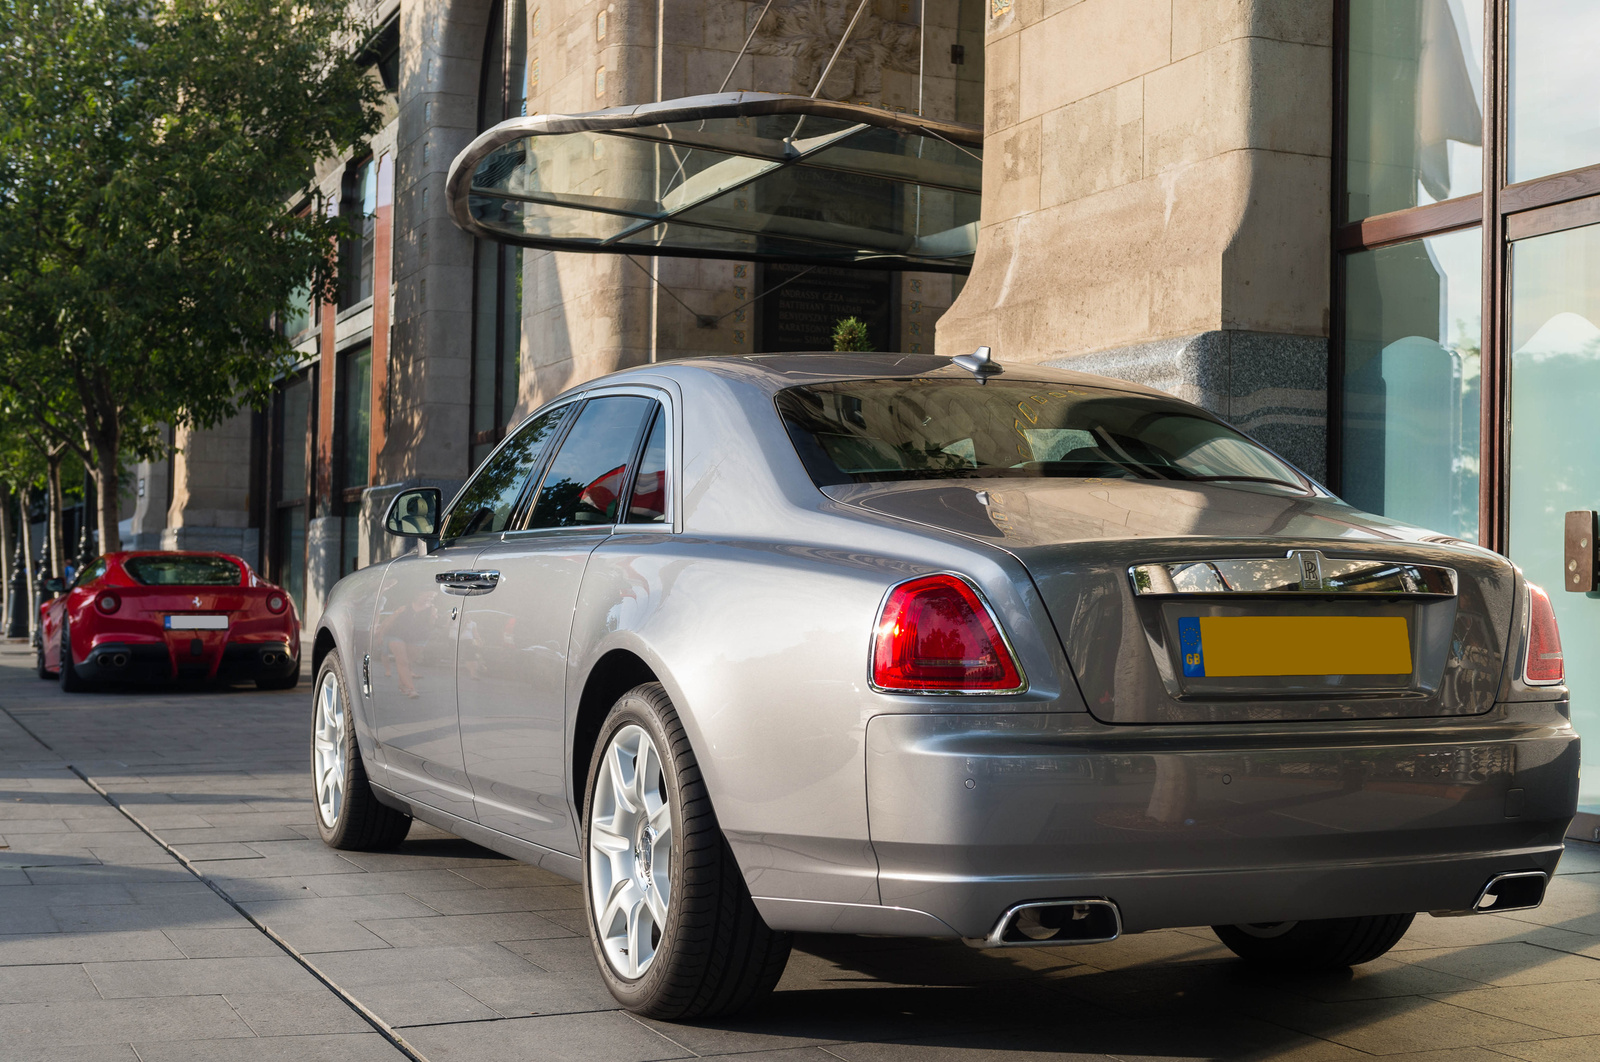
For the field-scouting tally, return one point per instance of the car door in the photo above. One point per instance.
(420, 601)
(511, 677)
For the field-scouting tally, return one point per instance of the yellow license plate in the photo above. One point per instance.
(1262, 646)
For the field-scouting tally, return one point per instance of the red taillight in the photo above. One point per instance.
(1541, 658)
(936, 636)
(107, 602)
(275, 602)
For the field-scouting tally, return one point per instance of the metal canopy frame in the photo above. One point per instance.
(478, 178)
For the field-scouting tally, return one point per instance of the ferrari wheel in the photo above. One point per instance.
(348, 815)
(71, 681)
(672, 923)
(1317, 944)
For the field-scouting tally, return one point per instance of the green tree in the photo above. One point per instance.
(150, 155)
(850, 333)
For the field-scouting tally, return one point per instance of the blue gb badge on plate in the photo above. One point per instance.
(1194, 660)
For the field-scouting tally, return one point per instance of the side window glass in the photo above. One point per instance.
(586, 477)
(648, 504)
(91, 573)
(486, 506)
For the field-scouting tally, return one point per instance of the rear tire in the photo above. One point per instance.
(280, 682)
(710, 952)
(71, 681)
(1315, 945)
(42, 669)
(349, 817)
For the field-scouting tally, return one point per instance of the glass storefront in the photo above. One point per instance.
(1467, 323)
(1554, 85)
(1555, 409)
(1415, 104)
(1411, 381)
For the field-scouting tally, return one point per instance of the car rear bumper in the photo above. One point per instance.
(973, 814)
(128, 661)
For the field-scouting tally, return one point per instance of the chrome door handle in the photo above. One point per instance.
(481, 581)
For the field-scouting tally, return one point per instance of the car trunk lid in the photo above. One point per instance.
(1200, 603)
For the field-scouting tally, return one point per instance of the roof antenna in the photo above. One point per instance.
(979, 364)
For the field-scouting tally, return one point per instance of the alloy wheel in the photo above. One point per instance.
(327, 750)
(630, 852)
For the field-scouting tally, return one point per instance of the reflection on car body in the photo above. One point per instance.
(886, 644)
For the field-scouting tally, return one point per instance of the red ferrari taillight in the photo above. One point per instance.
(936, 636)
(107, 602)
(276, 603)
(1542, 664)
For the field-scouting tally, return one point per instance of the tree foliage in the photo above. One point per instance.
(152, 156)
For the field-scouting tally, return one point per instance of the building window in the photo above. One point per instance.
(1415, 104)
(1467, 289)
(1412, 358)
(355, 449)
(1554, 83)
(358, 205)
(497, 268)
(292, 426)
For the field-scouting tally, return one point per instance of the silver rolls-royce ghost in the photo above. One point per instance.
(919, 646)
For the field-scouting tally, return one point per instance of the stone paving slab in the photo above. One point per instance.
(114, 945)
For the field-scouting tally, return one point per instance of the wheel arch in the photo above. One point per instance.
(617, 671)
(325, 644)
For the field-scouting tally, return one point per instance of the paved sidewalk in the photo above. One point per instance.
(111, 948)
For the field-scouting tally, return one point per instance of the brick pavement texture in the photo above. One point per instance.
(113, 948)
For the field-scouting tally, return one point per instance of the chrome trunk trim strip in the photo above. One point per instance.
(1300, 571)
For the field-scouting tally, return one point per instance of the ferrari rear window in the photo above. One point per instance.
(183, 571)
(863, 431)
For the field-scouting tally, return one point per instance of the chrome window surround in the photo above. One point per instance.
(1300, 571)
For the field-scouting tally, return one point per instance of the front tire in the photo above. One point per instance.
(674, 930)
(71, 681)
(349, 817)
(1315, 945)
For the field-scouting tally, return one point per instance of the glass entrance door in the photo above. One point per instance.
(1555, 445)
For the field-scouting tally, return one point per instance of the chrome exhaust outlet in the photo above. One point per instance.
(1519, 890)
(1047, 922)
(112, 659)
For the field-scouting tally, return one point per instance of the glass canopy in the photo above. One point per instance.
(736, 175)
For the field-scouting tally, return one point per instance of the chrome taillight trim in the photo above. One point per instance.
(1300, 571)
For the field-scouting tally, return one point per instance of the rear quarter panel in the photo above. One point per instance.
(764, 647)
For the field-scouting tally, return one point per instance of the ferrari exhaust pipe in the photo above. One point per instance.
(1083, 921)
(113, 659)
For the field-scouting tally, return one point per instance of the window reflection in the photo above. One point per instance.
(1555, 391)
(1411, 382)
(1415, 103)
(1554, 83)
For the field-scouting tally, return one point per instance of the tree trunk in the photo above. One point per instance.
(53, 529)
(5, 562)
(108, 489)
(30, 615)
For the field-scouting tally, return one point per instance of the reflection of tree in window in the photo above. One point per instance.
(487, 503)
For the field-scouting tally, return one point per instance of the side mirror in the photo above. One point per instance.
(54, 586)
(414, 513)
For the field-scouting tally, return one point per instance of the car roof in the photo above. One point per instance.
(777, 372)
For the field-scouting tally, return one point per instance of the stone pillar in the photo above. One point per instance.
(1156, 192)
(210, 507)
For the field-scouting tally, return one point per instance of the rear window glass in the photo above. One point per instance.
(183, 571)
(863, 431)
